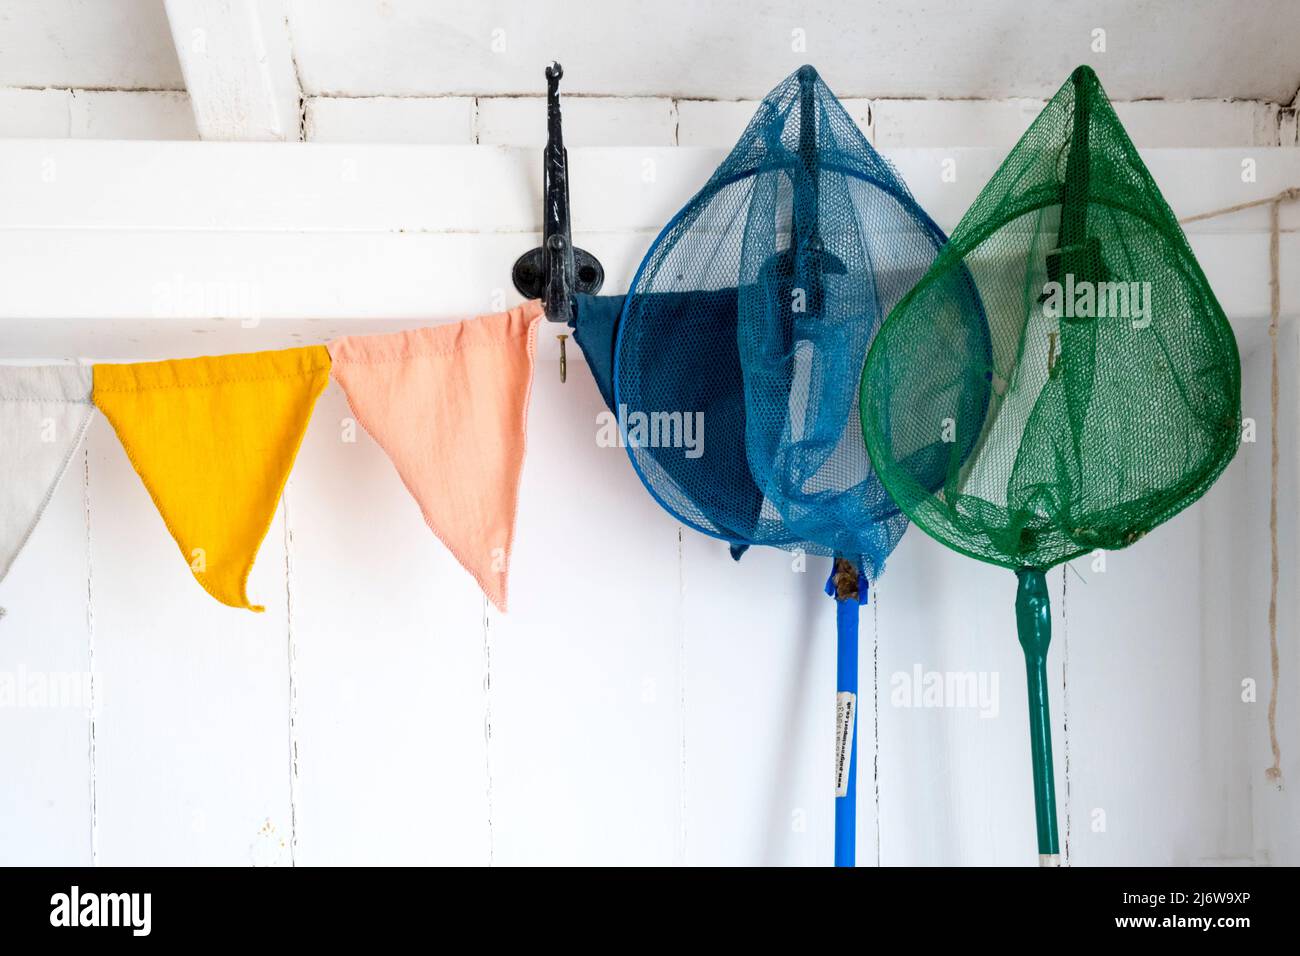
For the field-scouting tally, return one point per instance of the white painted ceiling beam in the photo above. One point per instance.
(237, 60)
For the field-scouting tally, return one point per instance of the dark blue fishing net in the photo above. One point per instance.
(736, 351)
(595, 323)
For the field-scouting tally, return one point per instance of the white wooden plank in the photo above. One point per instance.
(389, 665)
(444, 120)
(939, 123)
(334, 187)
(712, 124)
(630, 121)
(1225, 759)
(1249, 589)
(280, 273)
(238, 65)
(1135, 674)
(192, 749)
(1150, 123)
(1273, 809)
(1288, 130)
(238, 302)
(956, 781)
(45, 739)
(760, 706)
(34, 113)
(374, 187)
(1200, 123)
(116, 114)
(719, 123)
(585, 692)
(177, 294)
(588, 121)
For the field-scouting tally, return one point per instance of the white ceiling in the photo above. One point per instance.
(725, 49)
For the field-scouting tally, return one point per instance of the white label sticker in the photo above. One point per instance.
(846, 706)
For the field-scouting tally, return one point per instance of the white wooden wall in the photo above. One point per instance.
(646, 700)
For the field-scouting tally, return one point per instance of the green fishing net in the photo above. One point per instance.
(1104, 396)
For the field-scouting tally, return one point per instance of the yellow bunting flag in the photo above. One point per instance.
(213, 440)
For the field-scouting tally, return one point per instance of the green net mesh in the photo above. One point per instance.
(1105, 395)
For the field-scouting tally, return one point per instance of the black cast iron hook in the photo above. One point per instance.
(557, 270)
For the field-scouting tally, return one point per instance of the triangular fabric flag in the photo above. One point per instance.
(213, 439)
(44, 411)
(450, 406)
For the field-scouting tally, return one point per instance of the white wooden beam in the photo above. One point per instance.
(174, 246)
(379, 187)
(238, 65)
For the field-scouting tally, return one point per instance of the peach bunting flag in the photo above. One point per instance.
(449, 405)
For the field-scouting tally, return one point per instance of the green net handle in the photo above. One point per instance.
(1034, 625)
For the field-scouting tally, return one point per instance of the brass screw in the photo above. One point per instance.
(564, 361)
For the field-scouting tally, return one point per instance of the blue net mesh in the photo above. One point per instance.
(747, 326)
